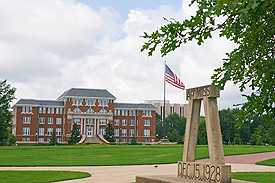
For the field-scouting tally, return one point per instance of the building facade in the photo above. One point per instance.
(180, 109)
(34, 121)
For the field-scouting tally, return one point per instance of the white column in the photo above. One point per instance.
(94, 130)
(81, 125)
(85, 133)
(97, 127)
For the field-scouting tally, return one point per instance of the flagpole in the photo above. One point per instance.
(164, 100)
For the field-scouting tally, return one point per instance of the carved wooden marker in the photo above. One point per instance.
(216, 171)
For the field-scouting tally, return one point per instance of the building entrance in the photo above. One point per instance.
(89, 132)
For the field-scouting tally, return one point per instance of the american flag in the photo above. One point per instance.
(173, 79)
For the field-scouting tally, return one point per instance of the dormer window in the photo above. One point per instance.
(103, 111)
(77, 110)
(90, 111)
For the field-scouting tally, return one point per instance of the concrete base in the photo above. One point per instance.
(172, 179)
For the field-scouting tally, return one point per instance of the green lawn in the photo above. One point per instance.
(269, 162)
(107, 154)
(40, 176)
(261, 177)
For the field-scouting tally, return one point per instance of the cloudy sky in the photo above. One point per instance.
(47, 47)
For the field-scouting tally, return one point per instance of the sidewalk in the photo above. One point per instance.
(126, 174)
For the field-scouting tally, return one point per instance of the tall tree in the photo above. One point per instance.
(75, 135)
(53, 139)
(251, 26)
(6, 97)
(109, 135)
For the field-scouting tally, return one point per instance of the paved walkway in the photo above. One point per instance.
(245, 158)
(126, 174)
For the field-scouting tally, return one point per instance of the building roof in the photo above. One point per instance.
(134, 106)
(89, 93)
(34, 102)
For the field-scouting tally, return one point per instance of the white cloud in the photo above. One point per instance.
(50, 46)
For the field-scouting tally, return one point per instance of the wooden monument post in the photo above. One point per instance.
(216, 170)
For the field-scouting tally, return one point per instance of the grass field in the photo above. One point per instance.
(269, 162)
(95, 155)
(40, 176)
(261, 177)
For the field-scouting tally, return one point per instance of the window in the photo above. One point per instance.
(88, 101)
(26, 120)
(116, 122)
(93, 101)
(58, 139)
(126, 112)
(77, 121)
(41, 139)
(41, 131)
(26, 131)
(146, 113)
(30, 109)
(116, 132)
(27, 109)
(90, 121)
(28, 139)
(23, 109)
(102, 102)
(116, 140)
(118, 112)
(131, 132)
(124, 132)
(146, 122)
(103, 111)
(133, 113)
(23, 139)
(50, 120)
(102, 131)
(124, 122)
(146, 133)
(124, 140)
(41, 120)
(60, 111)
(122, 112)
(58, 131)
(90, 111)
(44, 110)
(50, 131)
(76, 110)
(58, 121)
(130, 112)
(99, 101)
(132, 122)
(102, 121)
(80, 101)
(57, 110)
(49, 110)
(40, 110)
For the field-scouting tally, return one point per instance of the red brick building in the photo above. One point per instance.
(34, 121)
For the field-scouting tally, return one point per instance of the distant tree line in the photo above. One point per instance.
(255, 131)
